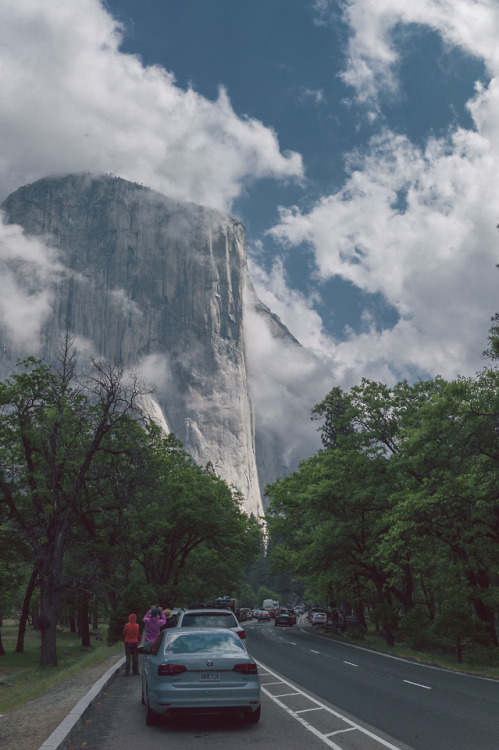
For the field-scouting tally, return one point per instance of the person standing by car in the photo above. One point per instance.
(154, 619)
(131, 638)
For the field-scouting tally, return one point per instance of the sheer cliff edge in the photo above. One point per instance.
(154, 284)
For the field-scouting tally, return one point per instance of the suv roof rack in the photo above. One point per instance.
(205, 605)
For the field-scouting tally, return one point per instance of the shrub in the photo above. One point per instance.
(415, 629)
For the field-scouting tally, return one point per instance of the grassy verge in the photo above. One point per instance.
(20, 677)
(403, 650)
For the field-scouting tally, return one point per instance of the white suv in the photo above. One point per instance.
(210, 618)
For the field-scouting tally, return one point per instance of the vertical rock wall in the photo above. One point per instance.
(157, 284)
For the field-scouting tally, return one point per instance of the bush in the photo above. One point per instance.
(356, 635)
(484, 657)
(389, 619)
(456, 625)
(415, 630)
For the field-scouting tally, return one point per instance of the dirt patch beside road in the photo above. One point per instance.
(29, 725)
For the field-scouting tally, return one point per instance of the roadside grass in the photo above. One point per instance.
(446, 660)
(21, 679)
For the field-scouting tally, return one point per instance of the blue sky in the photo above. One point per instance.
(358, 141)
(281, 62)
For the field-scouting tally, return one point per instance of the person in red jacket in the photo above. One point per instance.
(131, 637)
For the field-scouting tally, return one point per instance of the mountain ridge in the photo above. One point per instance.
(151, 282)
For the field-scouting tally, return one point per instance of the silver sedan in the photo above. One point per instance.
(202, 670)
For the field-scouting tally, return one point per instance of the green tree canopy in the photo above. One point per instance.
(54, 430)
(402, 503)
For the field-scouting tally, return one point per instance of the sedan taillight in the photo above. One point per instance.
(241, 633)
(246, 668)
(171, 669)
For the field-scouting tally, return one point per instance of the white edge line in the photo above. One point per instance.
(285, 695)
(340, 731)
(326, 708)
(303, 722)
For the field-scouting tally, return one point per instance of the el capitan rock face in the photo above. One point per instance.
(157, 284)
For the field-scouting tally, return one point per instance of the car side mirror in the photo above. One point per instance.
(145, 648)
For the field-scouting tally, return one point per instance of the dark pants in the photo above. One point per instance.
(132, 652)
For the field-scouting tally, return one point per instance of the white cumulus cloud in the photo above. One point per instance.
(371, 69)
(415, 223)
(71, 101)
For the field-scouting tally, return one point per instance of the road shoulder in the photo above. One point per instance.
(29, 726)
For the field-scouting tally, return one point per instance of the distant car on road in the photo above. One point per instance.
(283, 619)
(287, 611)
(312, 612)
(263, 616)
(319, 618)
(199, 670)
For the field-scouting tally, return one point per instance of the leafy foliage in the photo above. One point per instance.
(95, 498)
(399, 512)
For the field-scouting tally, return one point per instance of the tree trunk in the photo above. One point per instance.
(479, 580)
(358, 609)
(2, 650)
(405, 595)
(389, 637)
(486, 615)
(50, 587)
(34, 616)
(25, 611)
(429, 600)
(331, 597)
(83, 617)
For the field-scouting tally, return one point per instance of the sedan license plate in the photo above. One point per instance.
(210, 676)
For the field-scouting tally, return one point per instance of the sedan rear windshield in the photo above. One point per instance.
(207, 620)
(199, 643)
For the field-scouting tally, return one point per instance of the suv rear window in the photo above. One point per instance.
(209, 620)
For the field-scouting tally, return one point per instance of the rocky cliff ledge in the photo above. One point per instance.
(157, 284)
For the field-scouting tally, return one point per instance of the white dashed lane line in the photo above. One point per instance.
(417, 684)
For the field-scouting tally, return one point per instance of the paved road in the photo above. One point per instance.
(423, 707)
(316, 693)
(290, 719)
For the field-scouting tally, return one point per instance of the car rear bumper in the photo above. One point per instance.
(220, 699)
(213, 710)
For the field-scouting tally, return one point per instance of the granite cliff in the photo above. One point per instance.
(157, 284)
